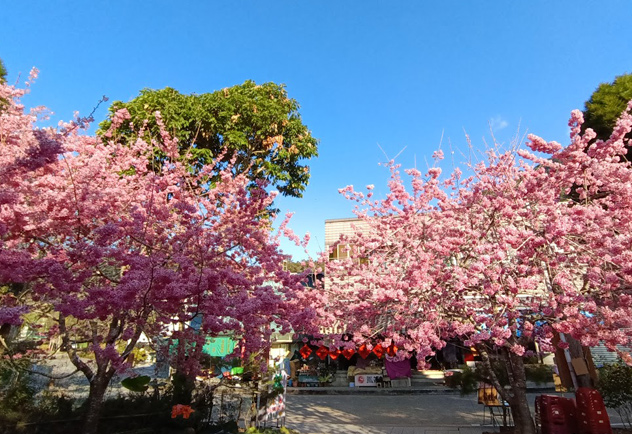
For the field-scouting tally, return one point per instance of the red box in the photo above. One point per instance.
(592, 415)
(556, 414)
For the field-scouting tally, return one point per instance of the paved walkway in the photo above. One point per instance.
(328, 428)
(428, 388)
(430, 413)
(380, 413)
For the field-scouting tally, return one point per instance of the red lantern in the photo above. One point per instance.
(322, 352)
(364, 351)
(392, 350)
(305, 351)
(333, 355)
(348, 353)
(378, 350)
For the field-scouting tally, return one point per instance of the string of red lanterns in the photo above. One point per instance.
(322, 352)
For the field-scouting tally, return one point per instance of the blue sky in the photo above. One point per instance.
(372, 77)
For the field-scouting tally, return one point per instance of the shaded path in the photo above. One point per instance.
(386, 414)
(432, 413)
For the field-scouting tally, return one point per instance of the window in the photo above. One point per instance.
(346, 251)
(341, 251)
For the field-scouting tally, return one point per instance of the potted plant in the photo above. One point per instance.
(324, 379)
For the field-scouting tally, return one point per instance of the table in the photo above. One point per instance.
(307, 380)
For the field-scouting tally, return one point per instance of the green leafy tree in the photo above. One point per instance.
(301, 266)
(3, 79)
(606, 105)
(258, 125)
(3, 72)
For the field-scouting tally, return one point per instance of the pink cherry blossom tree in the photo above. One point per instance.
(531, 243)
(113, 247)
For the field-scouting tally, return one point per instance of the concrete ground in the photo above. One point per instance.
(427, 409)
(391, 414)
(430, 413)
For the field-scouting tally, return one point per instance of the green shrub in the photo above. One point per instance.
(466, 381)
(55, 406)
(17, 396)
(615, 386)
(539, 373)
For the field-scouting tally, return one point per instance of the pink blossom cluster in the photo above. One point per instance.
(115, 244)
(532, 243)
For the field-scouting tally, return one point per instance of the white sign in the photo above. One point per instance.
(367, 380)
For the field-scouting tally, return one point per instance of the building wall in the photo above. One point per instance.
(336, 227)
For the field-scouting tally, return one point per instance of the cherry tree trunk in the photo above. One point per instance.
(98, 387)
(522, 414)
(516, 395)
(518, 402)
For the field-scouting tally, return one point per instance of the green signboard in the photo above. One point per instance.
(219, 346)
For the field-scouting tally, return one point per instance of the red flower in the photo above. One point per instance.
(180, 409)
